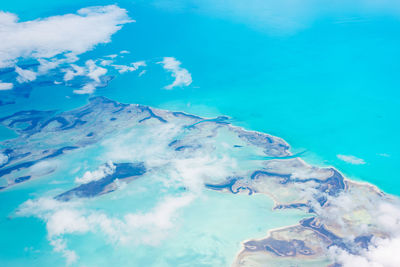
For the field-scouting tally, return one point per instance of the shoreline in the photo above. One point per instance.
(306, 187)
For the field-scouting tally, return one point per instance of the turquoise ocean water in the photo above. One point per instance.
(331, 87)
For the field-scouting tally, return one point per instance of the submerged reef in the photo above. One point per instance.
(339, 213)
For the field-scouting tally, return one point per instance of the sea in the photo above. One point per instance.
(325, 79)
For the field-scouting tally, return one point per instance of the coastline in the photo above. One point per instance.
(312, 187)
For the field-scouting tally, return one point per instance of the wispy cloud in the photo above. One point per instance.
(25, 75)
(63, 218)
(351, 159)
(6, 86)
(128, 68)
(285, 16)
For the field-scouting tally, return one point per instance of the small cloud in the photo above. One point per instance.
(351, 159)
(112, 56)
(105, 62)
(138, 64)
(92, 71)
(101, 172)
(74, 71)
(123, 68)
(47, 65)
(3, 158)
(384, 155)
(85, 90)
(182, 76)
(132, 67)
(6, 86)
(25, 75)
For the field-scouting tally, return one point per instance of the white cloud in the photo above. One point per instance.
(154, 225)
(151, 147)
(106, 62)
(132, 67)
(47, 65)
(87, 89)
(90, 70)
(191, 169)
(59, 245)
(138, 64)
(112, 56)
(6, 86)
(49, 37)
(383, 253)
(71, 217)
(142, 73)
(351, 159)
(25, 75)
(3, 158)
(94, 71)
(123, 68)
(388, 217)
(195, 171)
(74, 71)
(61, 218)
(182, 76)
(67, 221)
(383, 249)
(101, 172)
